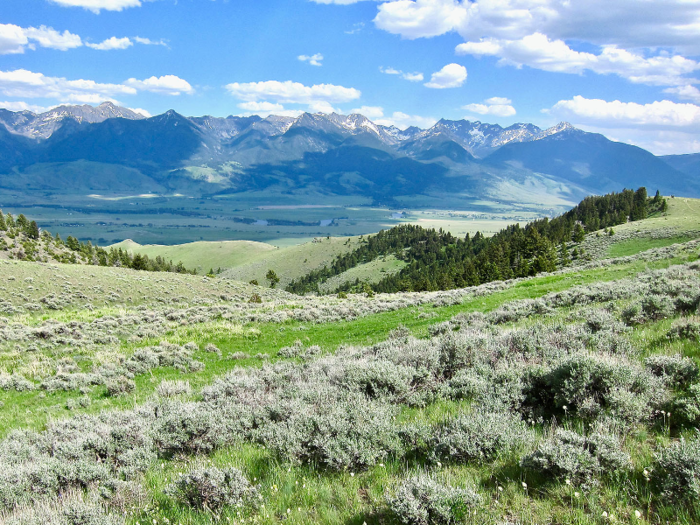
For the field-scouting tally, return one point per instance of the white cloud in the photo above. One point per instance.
(112, 43)
(97, 5)
(662, 114)
(149, 42)
(686, 92)
(23, 106)
(633, 36)
(292, 92)
(411, 77)
(403, 121)
(338, 2)
(12, 39)
(23, 84)
(15, 39)
(371, 112)
(314, 60)
(50, 38)
(166, 85)
(140, 111)
(497, 106)
(422, 18)
(261, 106)
(450, 76)
(540, 52)
(625, 23)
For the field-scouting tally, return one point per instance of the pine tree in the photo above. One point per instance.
(272, 277)
(3, 224)
(33, 230)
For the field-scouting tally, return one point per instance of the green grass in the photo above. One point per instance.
(311, 495)
(634, 246)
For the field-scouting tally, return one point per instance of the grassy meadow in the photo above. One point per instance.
(570, 397)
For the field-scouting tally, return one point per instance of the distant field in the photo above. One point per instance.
(277, 219)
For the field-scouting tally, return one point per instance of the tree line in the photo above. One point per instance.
(85, 251)
(437, 260)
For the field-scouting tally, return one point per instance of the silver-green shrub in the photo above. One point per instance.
(422, 500)
(480, 436)
(566, 454)
(677, 470)
(213, 488)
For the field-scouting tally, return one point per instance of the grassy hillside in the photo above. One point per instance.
(544, 400)
(294, 261)
(203, 255)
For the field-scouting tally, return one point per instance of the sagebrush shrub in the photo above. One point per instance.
(338, 434)
(480, 436)
(213, 488)
(687, 329)
(677, 470)
(422, 500)
(676, 370)
(120, 385)
(685, 409)
(566, 454)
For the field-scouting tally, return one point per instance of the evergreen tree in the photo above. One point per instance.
(33, 230)
(3, 224)
(272, 277)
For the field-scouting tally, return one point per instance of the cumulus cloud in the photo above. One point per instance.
(540, 52)
(371, 112)
(422, 18)
(686, 92)
(496, 106)
(97, 5)
(23, 106)
(538, 33)
(112, 43)
(403, 120)
(140, 111)
(22, 83)
(15, 39)
(662, 114)
(625, 23)
(314, 60)
(292, 92)
(450, 76)
(166, 85)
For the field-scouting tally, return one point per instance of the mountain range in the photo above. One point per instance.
(112, 150)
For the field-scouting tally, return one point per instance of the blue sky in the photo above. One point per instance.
(625, 68)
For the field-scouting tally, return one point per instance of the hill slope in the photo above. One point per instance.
(201, 255)
(131, 397)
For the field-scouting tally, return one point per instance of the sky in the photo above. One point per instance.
(629, 69)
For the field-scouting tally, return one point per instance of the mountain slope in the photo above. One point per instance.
(595, 162)
(115, 150)
(688, 164)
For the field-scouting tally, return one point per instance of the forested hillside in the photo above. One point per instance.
(439, 261)
(21, 239)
